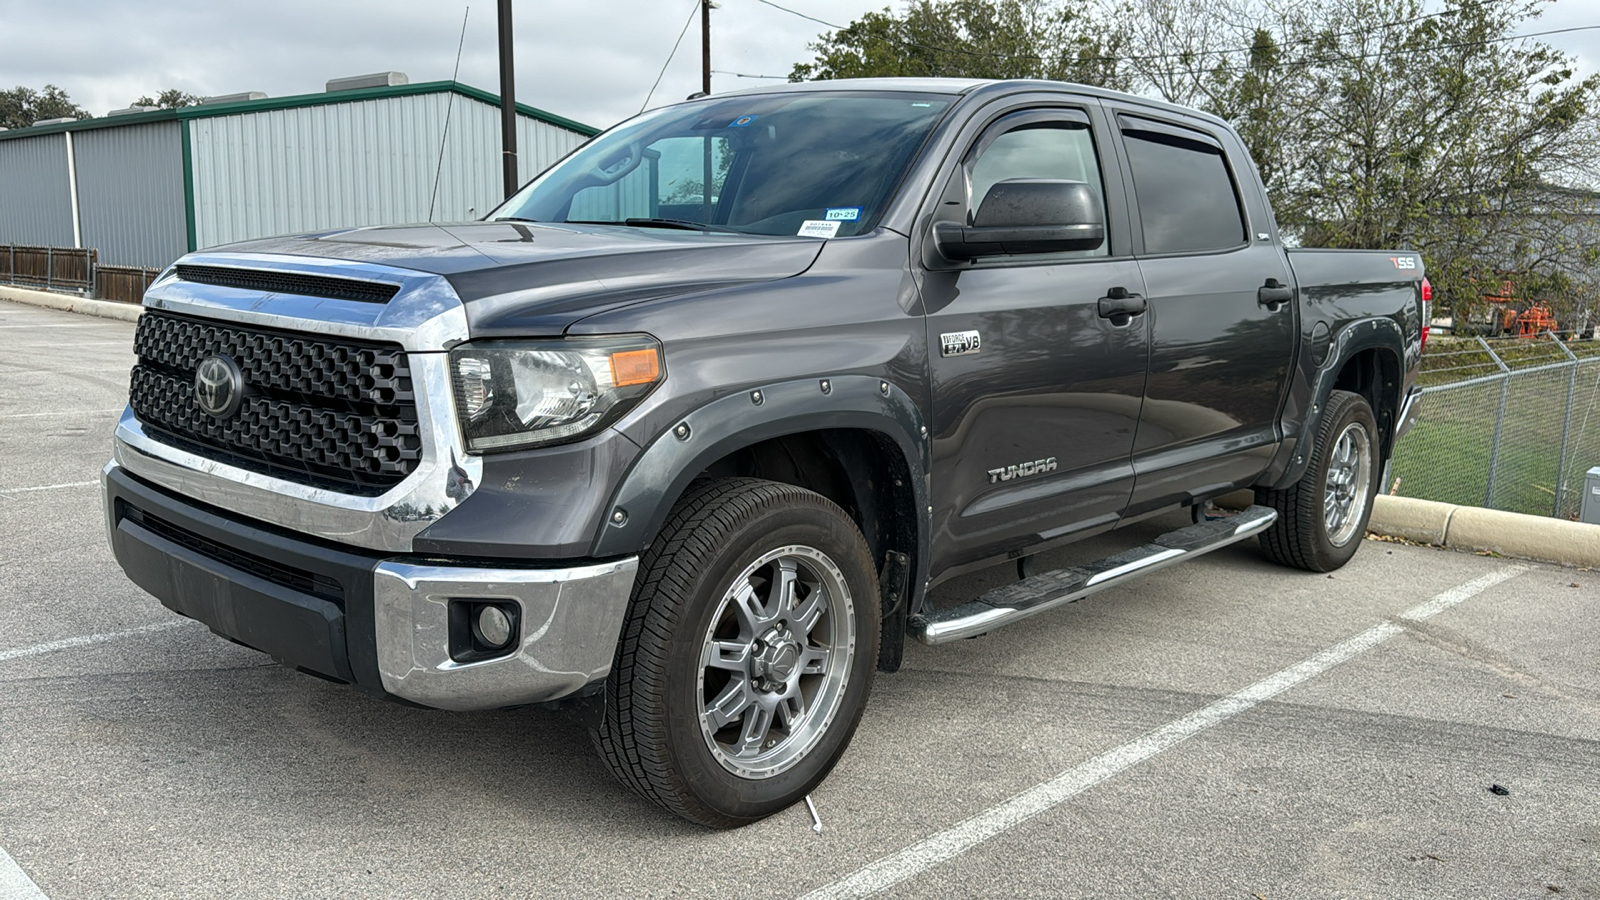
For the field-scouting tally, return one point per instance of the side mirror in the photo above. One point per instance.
(1027, 215)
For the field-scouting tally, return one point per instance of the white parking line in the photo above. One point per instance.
(959, 838)
(85, 641)
(15, 883)
(49, 487)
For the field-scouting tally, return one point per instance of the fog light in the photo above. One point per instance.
(493, 627)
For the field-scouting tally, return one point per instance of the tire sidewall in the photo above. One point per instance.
(1344, 410)
(811, 525)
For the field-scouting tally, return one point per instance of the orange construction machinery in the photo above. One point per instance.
(1511, 315)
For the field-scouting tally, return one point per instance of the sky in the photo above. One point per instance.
(589, 60)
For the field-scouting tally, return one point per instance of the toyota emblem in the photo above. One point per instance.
(218, 386)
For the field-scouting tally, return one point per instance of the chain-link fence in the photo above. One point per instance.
(1510, 425)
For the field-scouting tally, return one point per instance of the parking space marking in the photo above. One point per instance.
(963, 836)
(49, 487)
(15, 883)
(85, 641)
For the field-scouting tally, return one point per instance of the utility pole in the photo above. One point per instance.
(705, 46)
(706, 208)
(508, 102)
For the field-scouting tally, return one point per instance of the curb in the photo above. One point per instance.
(106, 309)
(1475, 529)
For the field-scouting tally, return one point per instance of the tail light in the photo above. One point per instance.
(1427, 310)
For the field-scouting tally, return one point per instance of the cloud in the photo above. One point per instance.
(592, 60)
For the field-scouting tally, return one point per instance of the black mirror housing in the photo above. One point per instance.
(1027, 215)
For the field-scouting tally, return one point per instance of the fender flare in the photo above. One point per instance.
(1376, 333)
(661, 473)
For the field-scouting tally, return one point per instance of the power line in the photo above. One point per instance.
(1140, 58)
(744, 75)
(1155, 56)
(1340, 57)
(448, 105)
(686, 22)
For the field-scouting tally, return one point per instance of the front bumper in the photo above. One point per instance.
(380, 622)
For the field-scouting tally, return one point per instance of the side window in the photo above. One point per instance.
(1063, 150)
(1186, 196)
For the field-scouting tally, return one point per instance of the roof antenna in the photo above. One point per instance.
(448, 104)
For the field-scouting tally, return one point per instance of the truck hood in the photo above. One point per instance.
(535, 279)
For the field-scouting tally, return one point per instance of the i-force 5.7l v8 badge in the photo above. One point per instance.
(959, 343)
(1022, 470)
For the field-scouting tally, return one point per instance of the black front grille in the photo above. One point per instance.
(288, 576)
(332, 413)
(332, 287)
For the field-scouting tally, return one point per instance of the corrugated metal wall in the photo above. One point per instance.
(35, 195)
(130, 193)
(370, 162)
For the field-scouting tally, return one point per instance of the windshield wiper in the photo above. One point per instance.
(512, 219)
(643, 222)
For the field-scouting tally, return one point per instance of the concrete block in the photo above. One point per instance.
(1530, 537)
(1423, 521)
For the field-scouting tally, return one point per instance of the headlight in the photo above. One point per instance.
(513, 394)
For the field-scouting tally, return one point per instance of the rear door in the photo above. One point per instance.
(1222, 317)
(1035, 395)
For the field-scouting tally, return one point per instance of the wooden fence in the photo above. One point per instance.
(62, 269)
(124, 284)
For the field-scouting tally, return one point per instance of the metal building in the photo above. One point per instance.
(145, 187)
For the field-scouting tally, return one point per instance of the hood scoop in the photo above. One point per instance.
(270, 281)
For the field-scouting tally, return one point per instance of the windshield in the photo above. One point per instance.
(815, 164)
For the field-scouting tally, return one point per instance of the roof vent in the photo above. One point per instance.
(132, 110)
(241, 97)
(376, 79)
(59, 121)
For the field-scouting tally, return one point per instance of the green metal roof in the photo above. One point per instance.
(208, 111)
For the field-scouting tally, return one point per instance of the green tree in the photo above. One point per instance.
(1056, 39)
(23, 106)
(168, 99)
(1379, 124)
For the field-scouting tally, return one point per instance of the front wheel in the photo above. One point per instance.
(1323, 516)
(747, 654)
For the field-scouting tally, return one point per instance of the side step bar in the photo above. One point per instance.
(1025, 598)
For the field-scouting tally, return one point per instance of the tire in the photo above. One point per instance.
(1322, 518)
(722, 707)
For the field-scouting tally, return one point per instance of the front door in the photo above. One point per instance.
(1036, 394)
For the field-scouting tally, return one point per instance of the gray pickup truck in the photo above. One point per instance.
(682, 433)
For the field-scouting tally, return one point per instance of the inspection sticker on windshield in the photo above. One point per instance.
(843, 214)
(818, 228)
(742, 121)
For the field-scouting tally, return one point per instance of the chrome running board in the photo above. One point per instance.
(1025, 598)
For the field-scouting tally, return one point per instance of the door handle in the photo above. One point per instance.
(1273, 295)
(1120, 306)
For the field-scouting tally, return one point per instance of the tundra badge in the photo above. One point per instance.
(1021, 470)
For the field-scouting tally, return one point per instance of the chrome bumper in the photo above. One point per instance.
(571, 619)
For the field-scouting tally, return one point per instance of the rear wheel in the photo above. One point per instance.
(747, 655)
(1323, 516)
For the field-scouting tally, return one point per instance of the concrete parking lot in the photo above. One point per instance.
(1225, 728)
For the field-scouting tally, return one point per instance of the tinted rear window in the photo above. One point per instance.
(1186, 196)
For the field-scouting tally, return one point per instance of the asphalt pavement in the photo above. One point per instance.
(1223, 728)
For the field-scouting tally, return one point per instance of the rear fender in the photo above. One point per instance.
(1351, 339)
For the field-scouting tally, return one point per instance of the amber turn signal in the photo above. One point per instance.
(635, 367)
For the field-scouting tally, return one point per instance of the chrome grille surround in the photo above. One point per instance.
(425, 318)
